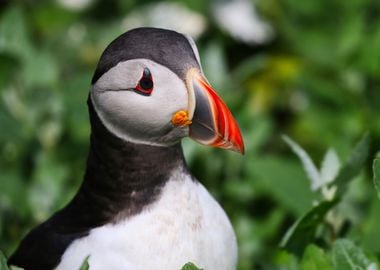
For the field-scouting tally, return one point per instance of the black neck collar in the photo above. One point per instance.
(121, 177)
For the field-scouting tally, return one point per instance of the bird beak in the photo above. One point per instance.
(211, 121)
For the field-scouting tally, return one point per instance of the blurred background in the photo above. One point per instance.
(308, 69)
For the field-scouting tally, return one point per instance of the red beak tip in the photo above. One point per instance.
(233, 146)
(239, 149)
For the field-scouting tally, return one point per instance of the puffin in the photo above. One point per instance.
(139, 207)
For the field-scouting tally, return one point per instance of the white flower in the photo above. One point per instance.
(240, 19)
(167, 15)
(75, 4)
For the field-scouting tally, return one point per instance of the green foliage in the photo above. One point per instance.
(344, 255)
(376, 175)
(190, 266)
(4, 265)
(353, 165)
(304, 230)
(3, 262)
(85, 265)
(317, 80)
(315, 258)
(347, 256)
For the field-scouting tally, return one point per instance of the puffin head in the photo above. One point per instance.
(149, 88)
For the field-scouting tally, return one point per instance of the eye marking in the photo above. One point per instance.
(145, 85)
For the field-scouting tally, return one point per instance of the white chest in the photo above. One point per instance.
(185, 224)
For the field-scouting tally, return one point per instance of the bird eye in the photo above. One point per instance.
(145, 85)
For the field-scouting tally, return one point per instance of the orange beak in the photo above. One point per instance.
(212, 122)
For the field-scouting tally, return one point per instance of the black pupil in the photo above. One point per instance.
(146, 82)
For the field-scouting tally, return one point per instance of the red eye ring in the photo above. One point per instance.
(145, 85)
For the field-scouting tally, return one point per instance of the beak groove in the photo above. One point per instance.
(212, 122)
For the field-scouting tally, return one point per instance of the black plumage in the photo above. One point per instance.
(121, 177)
(120, 180)
(169, 49)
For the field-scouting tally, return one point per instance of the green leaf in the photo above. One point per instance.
(43, 193)
(37, 63)
(330, 166)
(190, 266)
(308, 164)
(315, 258)
(353, 165)
(13, 32)
(3, 262)
(376, 175)
(283, 180)
(214, 64)
(9, 65)
(85, 265)
(370, 233)
(347, 256)
(286, 261)
(304, 229)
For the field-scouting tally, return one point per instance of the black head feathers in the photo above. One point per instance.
(165, 47)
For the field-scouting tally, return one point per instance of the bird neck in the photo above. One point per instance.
(122, 177)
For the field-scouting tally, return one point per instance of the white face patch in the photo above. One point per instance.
(136, 117)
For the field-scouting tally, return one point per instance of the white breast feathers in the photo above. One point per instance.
(185, 224)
